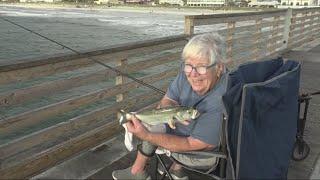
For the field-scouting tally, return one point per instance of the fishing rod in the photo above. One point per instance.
(92, 59)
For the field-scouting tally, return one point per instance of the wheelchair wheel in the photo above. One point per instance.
(302, 153)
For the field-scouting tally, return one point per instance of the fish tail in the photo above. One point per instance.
(123, 117)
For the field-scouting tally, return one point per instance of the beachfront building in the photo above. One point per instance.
(111, 2)
(172, 2)
(205, 3)
(137, 1)
(299, 2)
(263, 3)
(47, 1)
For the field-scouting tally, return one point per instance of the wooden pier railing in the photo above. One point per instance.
(52, 109)
(256, 35)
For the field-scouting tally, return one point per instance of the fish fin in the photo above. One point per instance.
(171, 124)
(148, 126)
(178, 118)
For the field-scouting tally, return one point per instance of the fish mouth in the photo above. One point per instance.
(195, 114)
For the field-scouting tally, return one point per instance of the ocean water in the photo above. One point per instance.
(80, 29)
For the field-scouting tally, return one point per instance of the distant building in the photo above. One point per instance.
(137, 1)
(263, 3)
(47, 1)
(106, 1)
(205, 3)
(241, 3)
(299, 3)
(172, 2)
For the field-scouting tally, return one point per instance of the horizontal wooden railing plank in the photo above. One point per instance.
(305, 10)
(249, 47)
(51, 156)
(252, 27)
(247, 38)
(247, 57)
(64, 128)
(218, 19)
(22, 95)
(34, 116)
(58, 153)
(309, 16)
(28, 141)
(119, 48)
(276, 49)
(300, 29)
(53, 68)
(241, 14)
(295, 35)
(264, 24)
(298, 32)
(299, 40)
(299, 25)
(304, 37)
(40, 71)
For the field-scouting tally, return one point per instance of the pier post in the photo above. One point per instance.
(287, 24)
(230, 60)
(256, 40)
(188, 25)
(121, 80)
(315, 19)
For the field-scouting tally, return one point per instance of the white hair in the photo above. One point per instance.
(210, 46)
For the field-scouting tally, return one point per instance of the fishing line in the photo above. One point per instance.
(92, 59)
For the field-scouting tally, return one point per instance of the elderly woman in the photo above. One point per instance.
(201, 83)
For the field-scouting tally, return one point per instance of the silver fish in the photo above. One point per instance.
(169, 115)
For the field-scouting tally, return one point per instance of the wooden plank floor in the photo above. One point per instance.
(127, 161)
(310, 82)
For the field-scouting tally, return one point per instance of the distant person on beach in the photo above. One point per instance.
(200, 84)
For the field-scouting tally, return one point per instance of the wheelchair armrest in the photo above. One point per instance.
(217, 154)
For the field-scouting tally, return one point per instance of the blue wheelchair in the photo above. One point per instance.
(263, 129)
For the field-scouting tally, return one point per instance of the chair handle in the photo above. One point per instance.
(212, 154)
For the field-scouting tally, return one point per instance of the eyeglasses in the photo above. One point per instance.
(199, 69)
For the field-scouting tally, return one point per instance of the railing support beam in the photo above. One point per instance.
(286, 31)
